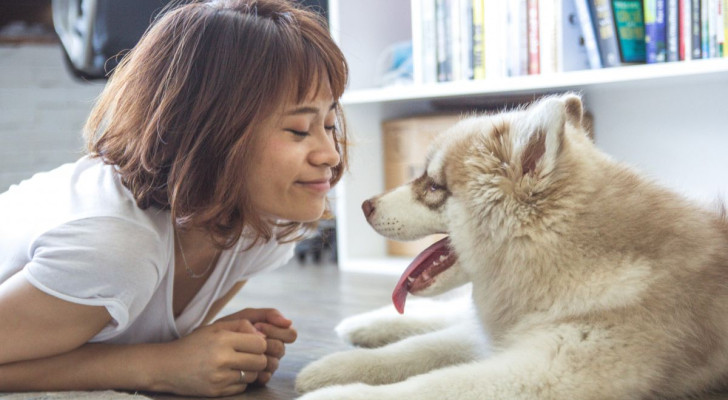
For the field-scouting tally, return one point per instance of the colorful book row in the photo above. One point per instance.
(456, 40)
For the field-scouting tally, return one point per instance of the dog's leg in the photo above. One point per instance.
(384, 326)
(554, 365)
(398, 361)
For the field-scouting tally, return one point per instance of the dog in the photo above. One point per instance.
(588, 281)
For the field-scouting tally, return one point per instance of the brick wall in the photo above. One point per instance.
(42, 111)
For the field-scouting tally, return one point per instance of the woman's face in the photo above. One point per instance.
(292, 159)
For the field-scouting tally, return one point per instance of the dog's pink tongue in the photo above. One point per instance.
(423, 261)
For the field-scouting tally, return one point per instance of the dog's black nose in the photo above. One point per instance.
(367, 207)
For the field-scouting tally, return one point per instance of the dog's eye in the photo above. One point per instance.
(434, 187)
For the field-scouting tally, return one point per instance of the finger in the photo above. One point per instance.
(272, 365)
(286, 335)
(236, 325)
(263, 378)
(243, 377)
(232, 390)
(269, 315)
(248, 342)
(275, 348)
(248, 362)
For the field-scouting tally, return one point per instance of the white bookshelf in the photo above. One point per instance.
(670, 120)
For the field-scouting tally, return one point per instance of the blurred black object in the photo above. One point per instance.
(95, 33)
(320, 246)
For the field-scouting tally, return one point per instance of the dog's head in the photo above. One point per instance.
(489, 180)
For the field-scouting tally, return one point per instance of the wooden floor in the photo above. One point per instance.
(316, 297)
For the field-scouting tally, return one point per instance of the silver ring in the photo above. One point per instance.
(242, 377)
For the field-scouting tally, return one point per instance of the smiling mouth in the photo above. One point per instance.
(322, 185)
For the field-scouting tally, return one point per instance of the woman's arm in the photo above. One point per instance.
(205, 363)
(43, 348)
(36, 324)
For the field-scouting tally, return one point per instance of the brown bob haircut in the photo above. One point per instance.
(180, 112)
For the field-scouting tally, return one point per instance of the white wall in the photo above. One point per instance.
(676, 132)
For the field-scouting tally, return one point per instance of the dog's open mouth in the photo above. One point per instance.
(421, 273)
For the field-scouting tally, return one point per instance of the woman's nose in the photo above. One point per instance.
(326, 153)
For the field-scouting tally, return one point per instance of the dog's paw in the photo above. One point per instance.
(373, 329)
(321, 373)
(347, 392)
(383, 326)
(346, 367)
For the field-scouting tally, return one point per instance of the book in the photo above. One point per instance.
(725, 27)
(478, 40)
(455, 43)
(704, 30)
(466, 39)
(547, 21)
(572, 53)
(606, 33)
(722, 27)
(444, 67)
(684, 33)
(654, 15)
(517, 37)
(712, 29)
(671, 30)
(696, 29)
(588, 34)
(428, 44)
(630, 30)
(495, 43)
(534, 59)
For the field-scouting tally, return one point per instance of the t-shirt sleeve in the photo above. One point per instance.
(103, 261)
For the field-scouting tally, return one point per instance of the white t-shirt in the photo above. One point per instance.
(76, 233)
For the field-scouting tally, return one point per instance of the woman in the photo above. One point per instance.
(210, 151)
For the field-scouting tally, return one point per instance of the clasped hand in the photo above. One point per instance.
(251, 340)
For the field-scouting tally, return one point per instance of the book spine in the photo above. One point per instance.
(696, 29)
(724, 9)
(429, 41)
(654, 11)
(523, 36)
(712, 29)
(602, 15)
(671, 30)
(588, 33)
(534, 59)
(466, 39)
(630, 30)
(495, 42)
(547, 36)
(443, 62)
(721, 20)
(455, 43)
(514, 39)
(704, 30)
(685, 40)
(573, 54)
(478, 40)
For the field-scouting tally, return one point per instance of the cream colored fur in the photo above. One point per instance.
(588, 280)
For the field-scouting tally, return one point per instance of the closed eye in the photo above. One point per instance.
(298, 133)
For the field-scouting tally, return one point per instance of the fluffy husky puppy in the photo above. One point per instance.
(588, 281)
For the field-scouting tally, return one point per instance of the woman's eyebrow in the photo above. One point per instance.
(309, 109)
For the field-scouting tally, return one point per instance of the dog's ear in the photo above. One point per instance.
(542, 136)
